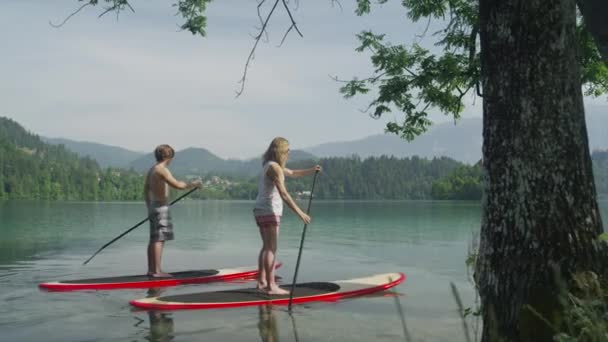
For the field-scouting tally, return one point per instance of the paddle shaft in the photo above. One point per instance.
(135, 226)
(295, 275)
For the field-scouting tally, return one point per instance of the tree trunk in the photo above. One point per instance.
(540, 214)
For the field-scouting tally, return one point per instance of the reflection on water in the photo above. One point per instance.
(161, 323)
(406, 333)
(161, 327)
(267, 325)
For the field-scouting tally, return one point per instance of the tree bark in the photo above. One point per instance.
(540, 213)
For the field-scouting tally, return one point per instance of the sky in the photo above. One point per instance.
(137, 81)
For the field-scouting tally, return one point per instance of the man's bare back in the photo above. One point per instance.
(156, 187)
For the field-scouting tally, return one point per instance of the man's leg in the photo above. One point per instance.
(151, 266)
(157, 251)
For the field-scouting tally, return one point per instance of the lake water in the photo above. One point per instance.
(426, 240)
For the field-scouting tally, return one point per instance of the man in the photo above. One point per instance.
(156, 194)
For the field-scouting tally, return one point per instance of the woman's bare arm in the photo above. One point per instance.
(275, 172)
(301, 172)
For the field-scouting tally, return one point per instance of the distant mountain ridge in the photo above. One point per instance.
(106, 155)
(199, 161)
(461, 141)
(189, 161)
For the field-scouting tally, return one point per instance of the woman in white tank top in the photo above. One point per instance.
(268, 208)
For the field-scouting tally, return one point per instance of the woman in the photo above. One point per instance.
(269, 209)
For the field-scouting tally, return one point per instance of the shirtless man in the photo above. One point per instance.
(156, 194)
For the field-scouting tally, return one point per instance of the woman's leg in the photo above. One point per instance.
(270, 236)
(262, 284)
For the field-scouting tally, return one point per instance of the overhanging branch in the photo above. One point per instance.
(262, 32)
(70, 16)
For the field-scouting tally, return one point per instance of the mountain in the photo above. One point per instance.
(106, 155)
(188, 161)
(460, 142)
(199, 161)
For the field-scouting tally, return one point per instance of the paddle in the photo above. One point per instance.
(295, 275)
(135, 226)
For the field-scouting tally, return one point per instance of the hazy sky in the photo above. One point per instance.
(138, 82)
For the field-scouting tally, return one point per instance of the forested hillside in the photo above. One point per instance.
(371, 178)
(32, 169)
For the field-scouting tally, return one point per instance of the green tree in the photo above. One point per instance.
(464, 183)
(531, 63)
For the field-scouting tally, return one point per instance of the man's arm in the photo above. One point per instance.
(176, 184)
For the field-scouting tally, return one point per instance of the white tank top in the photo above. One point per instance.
(268, 201)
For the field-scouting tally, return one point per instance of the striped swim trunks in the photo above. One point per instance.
(161, 227)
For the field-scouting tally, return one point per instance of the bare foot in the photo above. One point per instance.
(160, 275)
(275, 290)
(261, 286)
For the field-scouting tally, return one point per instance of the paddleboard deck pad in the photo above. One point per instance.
(145, 281)
(303, 293)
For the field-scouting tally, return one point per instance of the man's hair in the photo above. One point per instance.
(163, 152)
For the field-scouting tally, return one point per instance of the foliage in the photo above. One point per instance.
(464, 183)
(584, 310)
(192, 11)
(349, 178)
(31, 169)
(413, 80)
(375, 177)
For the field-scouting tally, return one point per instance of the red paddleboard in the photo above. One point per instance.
(144, 281)
(305, 292)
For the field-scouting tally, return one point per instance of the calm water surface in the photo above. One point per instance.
(428, 241)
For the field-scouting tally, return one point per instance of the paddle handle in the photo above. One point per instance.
(295, 275)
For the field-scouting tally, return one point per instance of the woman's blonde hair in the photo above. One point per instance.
(277, 151)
